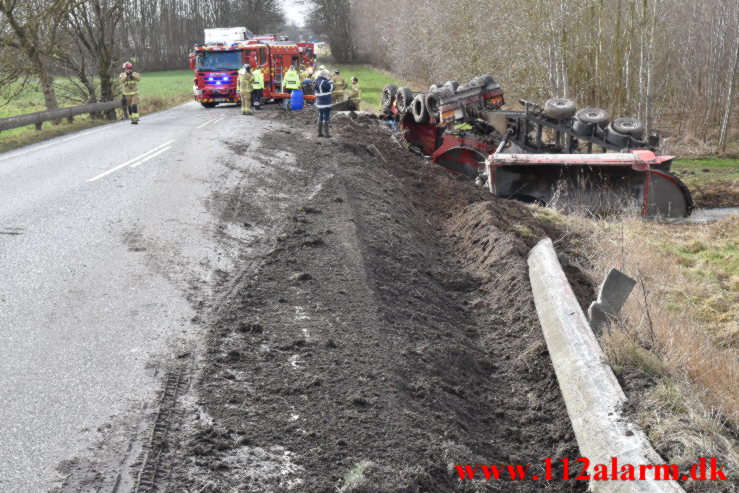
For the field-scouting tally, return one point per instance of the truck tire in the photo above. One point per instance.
(433, 98)
(452, 85)
(388, 96)
(629, 126)
(613, 136)
(418, 108)
(209, 105)
(403, 100)
(489, 81)
(593, 116)
(559, 108)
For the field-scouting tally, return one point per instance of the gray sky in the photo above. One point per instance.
(294, 12)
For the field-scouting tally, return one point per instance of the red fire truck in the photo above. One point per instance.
(216, 68)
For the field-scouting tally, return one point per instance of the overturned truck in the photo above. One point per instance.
(551, 155)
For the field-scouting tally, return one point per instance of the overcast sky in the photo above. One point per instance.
(294, 11)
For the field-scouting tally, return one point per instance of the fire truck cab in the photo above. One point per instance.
(216, 67)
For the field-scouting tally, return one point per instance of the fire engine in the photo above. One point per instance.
(216, 65)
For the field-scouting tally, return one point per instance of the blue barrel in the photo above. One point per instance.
(297, 100)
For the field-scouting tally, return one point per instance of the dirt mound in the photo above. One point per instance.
(388, 335)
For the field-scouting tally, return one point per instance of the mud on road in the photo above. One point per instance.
(387, 333)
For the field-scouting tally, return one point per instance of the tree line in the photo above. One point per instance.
(670, 63)
(86, 41)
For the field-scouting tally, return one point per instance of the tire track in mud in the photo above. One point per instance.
(369, 336)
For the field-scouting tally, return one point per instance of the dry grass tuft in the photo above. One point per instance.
(676, 345)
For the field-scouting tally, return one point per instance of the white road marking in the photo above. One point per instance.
(151, 156)
(219, 119)
(137, 158)
(204, 124)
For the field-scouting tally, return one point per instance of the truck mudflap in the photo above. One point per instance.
(598, 184)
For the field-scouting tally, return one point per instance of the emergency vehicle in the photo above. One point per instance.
(216, 65)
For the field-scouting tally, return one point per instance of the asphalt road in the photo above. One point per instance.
(106, 244)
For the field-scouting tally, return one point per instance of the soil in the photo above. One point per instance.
(387, 334)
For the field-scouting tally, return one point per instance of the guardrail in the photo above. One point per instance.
(46, 116)
(593, 397)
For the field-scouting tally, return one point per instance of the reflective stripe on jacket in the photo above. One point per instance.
(322, 88)
(292, 79)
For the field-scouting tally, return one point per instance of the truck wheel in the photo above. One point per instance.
(613, 136)
(209, 105)
(388, 96)
(593, 116)
(629, 126)
(489, 81)
(403, 99)
(433, 99)
(452, 85)
(559, 108)
(418, 108)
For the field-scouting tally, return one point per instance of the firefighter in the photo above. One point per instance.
(130, 81)
(339, 87)
(304, 74)
(317, 73)
(290, 82)
(245, 87)
(258, 87)
(323, 88)
(355, 95)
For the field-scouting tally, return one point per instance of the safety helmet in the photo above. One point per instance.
(127, 65)
(336, 72)
(247, 66)
(355, 80)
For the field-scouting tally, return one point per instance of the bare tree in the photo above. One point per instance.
(30, 32)
(730, 91)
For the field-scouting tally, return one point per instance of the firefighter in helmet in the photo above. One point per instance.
(290, 82)
(258, 87)
(355, 95)
(245, 87)
(130, 81)
(339, 87)
(318, 72)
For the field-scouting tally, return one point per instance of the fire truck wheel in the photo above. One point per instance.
(209, 105)
(593, 116)
(629, 126)
(388, 96)
(434, 98)
(452, 85)
(403, 99)
(418, 108)
(559, 108)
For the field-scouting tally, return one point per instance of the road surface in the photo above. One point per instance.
(106, 245)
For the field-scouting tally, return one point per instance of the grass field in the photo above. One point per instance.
(371, 81)
(159, 90)
(713, 182)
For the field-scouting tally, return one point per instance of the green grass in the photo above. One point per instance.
(713, 182)
(711, 170)
(371, 81)
(159, 90)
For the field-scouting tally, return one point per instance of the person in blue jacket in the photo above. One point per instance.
(323, 88)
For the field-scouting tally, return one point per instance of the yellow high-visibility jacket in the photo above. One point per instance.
(258, 79)
(245, 81)
(291, 79)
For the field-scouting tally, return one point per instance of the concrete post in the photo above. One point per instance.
(592, 394)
